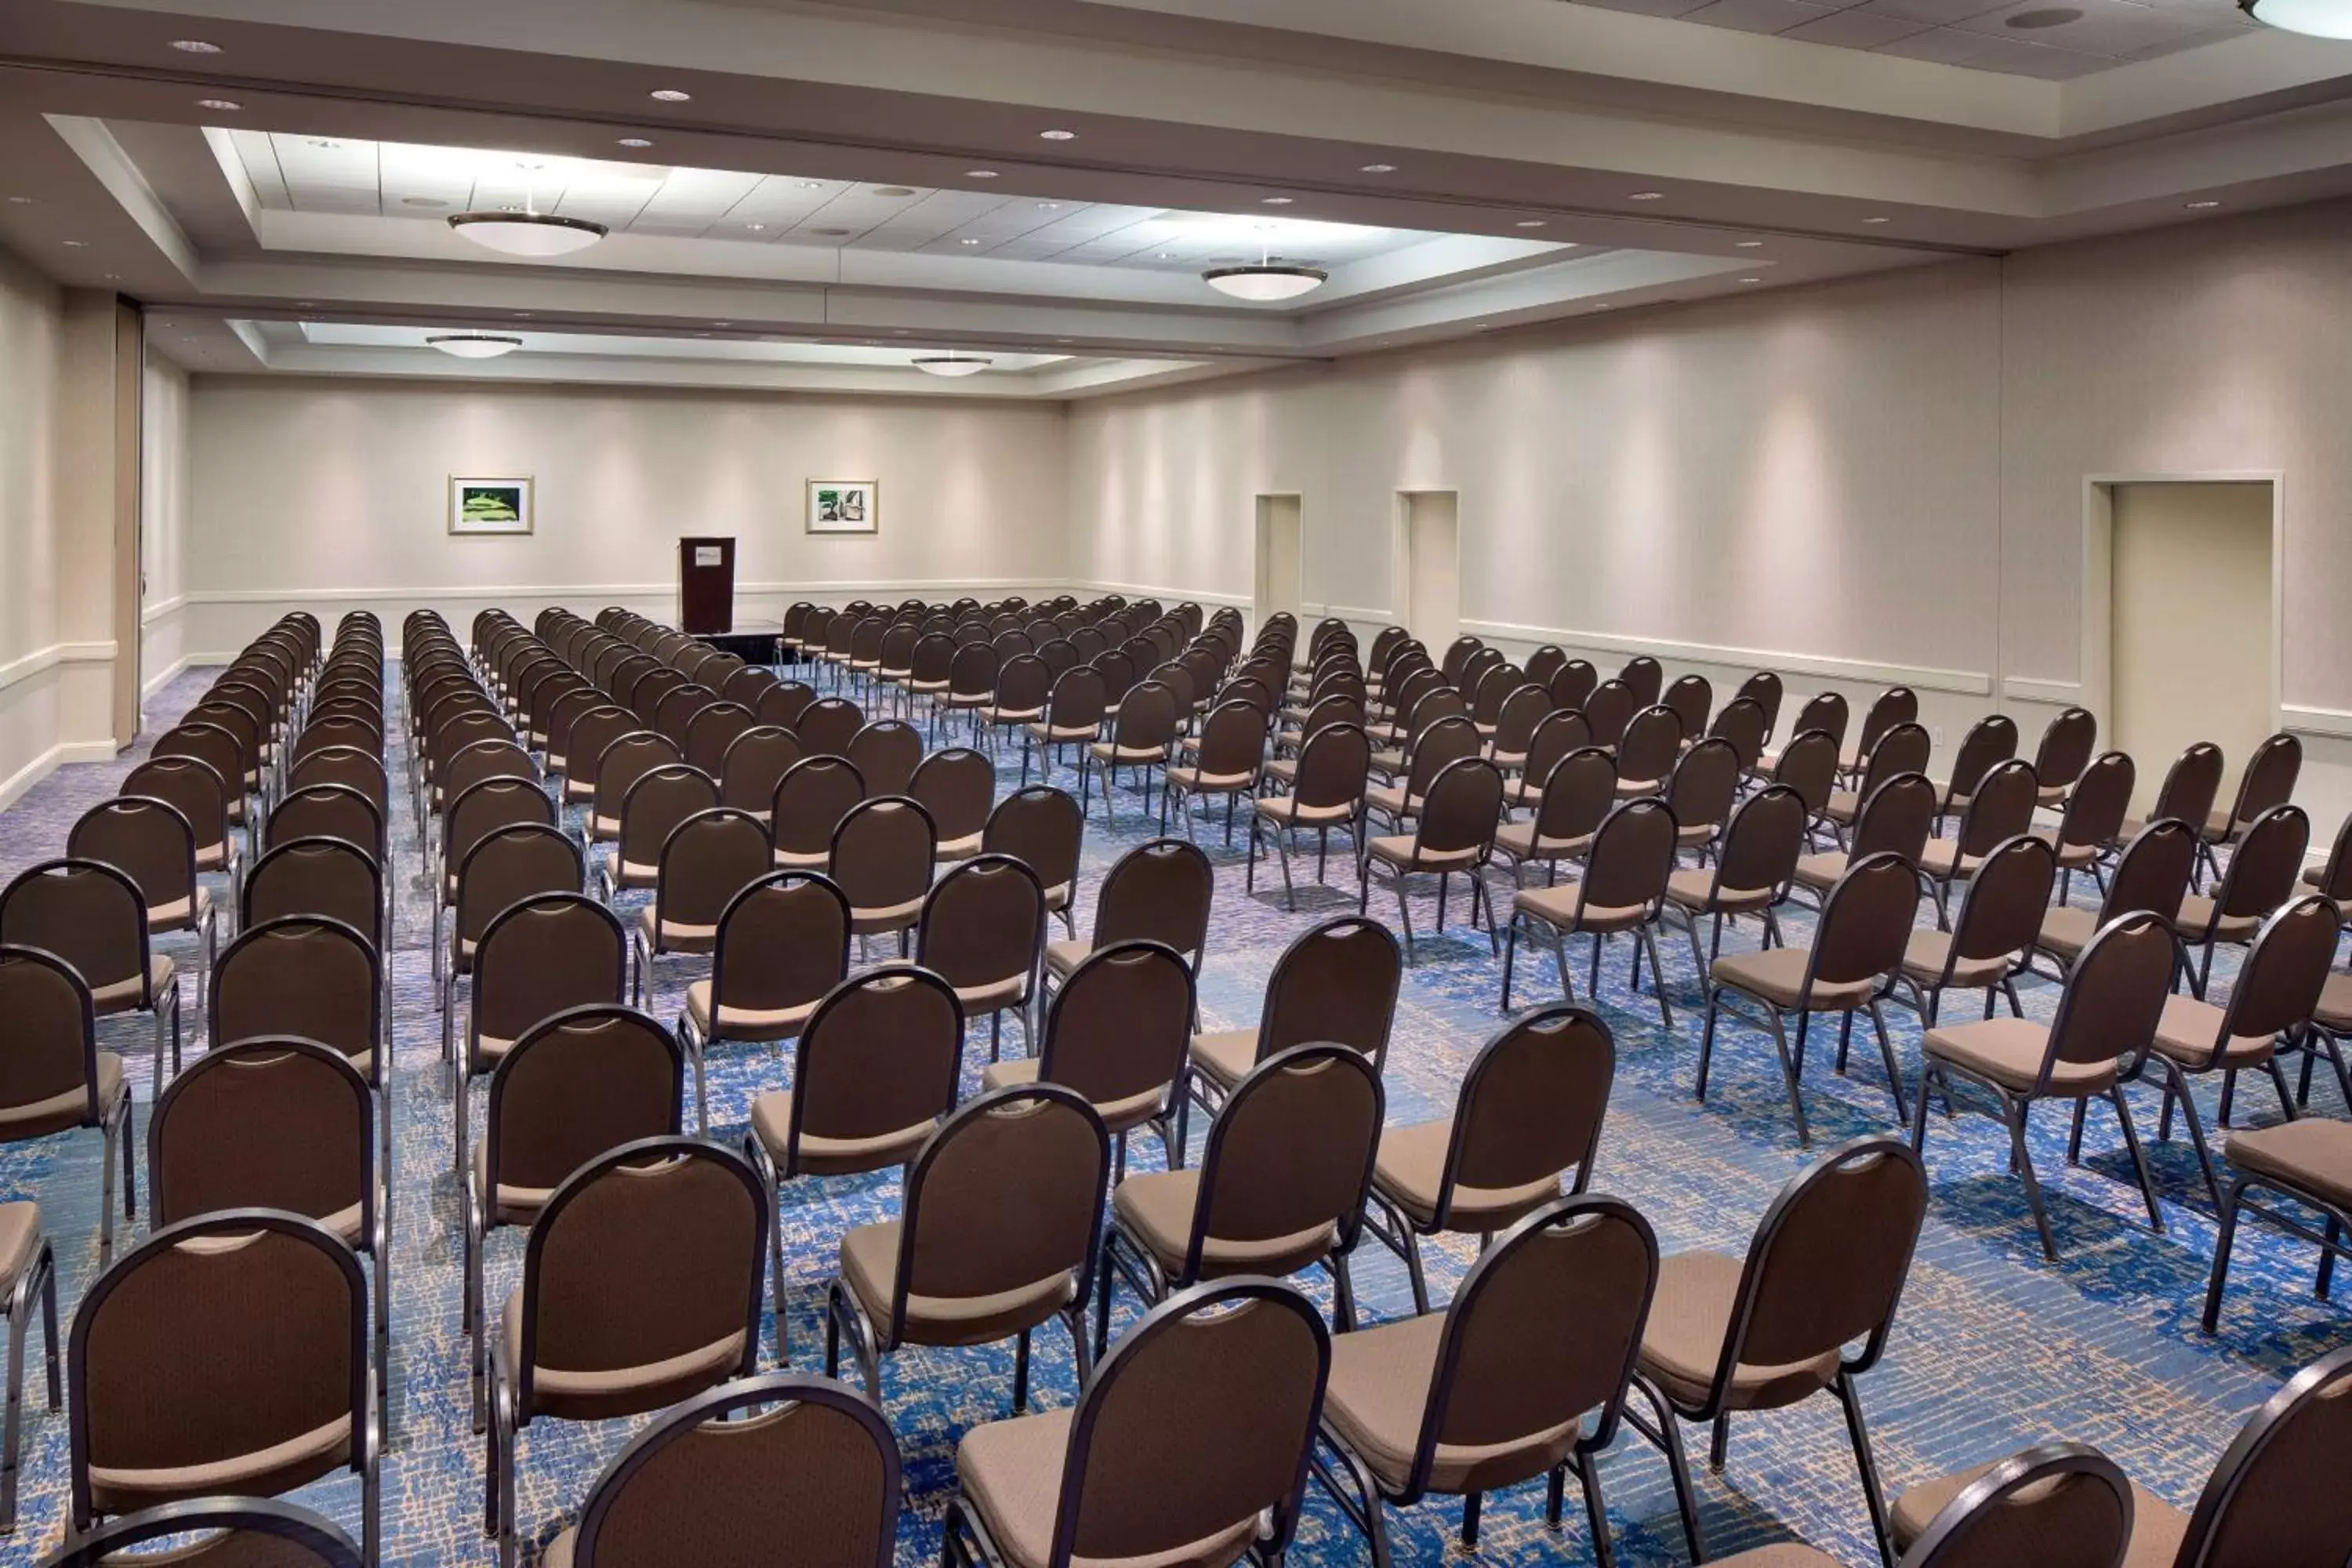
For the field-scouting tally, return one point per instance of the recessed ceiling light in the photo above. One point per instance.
(702, 334)
(522, 315)
(2201, 206)
(671, 95)
(634, 142)
(1276, 200)
(901, 332)
(225, 105)
(829, 232)
(979, 174)
(328, 142)
(114, 277)
(1071, 340)
(1748, 244)
(1057, 135)
(1605, 306)
(73, 244)
(722, 323)
(423, 202)
(20, 201)
(2048, 16)
(1647, 196)
(756, 227)
(1878, 220)
(967, 242)
(306, 304)
(1531, 223)
(812, 184)
(195, 47)
(894, 191)
(1049, 206)
(1165, 256)
(1380, 168)
(1751, 281)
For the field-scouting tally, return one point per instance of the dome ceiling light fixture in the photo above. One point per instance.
(951, 365)
(2316, 18)
(1266, 280)
(528, 232)
(474, 345)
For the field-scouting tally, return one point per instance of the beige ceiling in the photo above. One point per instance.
(1460, 166)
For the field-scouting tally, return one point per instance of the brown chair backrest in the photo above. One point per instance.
(2277, 988)
(712, 732)
(1607, 709)
(346, 765)
(2269, 779)
(1077, 699)
(957, 786)
(511, 862)
(784, 703)
(826, 725)
(214, 744)
(2274, 1497)
(541, 955)
(1198, 1425)
(1744, 722)
(1042, 826)
(87, 913)
(1334, 766)
(754, 765)
(329, 811)
(657, 802)
(1651, 741)
(650, 1252)
(1233, 737)
(1828, 1260)
(2115, 993)
(282, 1123)
(1763, 843)
(52, 1038)
(811, 800)
(1692, 699)
(625, 760)
(1532, 1104)
(1809, 766)
(1120, 1025)
(1895, 705)
(480, 760)
(717, 1481)
(1579, 794)
(2153, 872)
(2001, 913)
(882, 854)
(1644, 676)
(1896, 818)
(1447, 741)
(332, 877)
(1865, 922)
(2066, 746)
(575, 1085)
(311, 978)
(886, 754)
(1007, 1192)
(2262, 872)
(1632, 854)
(1573, 684)
(983, 923)
(1291, 1150)
(2190, 787)
(2001, 808)
(2058, 1503)
(214, 1339)
(1903, 749)
(190, 786)
(1336, 983)
(1826, 711)
(1505, 1373)
(705, 860)
(146, 840)
(1158, 890)
(882, 1053)
(1462, 810)
(1705, 783)
(2094, 810)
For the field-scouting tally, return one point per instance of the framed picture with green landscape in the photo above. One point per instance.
(490, 507)
(844, 506)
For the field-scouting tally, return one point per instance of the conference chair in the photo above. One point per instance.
(541, 955)
(91, 921)
(1117, 1034)
(1330, 787)
(240, 1532)
(1160, 891)
(54, 1078)
(1042, 827)
(958, 787)
(1453, 831)
(705, 860)
(1623, 889)
(1752, 874)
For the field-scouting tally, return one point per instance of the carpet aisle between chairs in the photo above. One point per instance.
(1992, 1349)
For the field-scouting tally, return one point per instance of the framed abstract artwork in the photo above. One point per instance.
(844, 506)
(480, 507)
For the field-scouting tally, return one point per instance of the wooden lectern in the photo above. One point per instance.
(706, 585)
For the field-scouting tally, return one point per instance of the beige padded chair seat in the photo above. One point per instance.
(1119, 1115)
(1286, 811)
(38, 1118)
(1411, 1163)
(20, 1237)
(2009, 1052)
(2334, 1010)
(2067, 931)
(1113, 752)
(1012, 715)
(869, 1265)
(2070, 857)
(1062, 958)
(1924, 956)
(2196, 914)
(1060, 734)
(119, 994)
(744, 1023)
(212, 856)
(1844, 805)
(619, 1391)
(878, 918)
(1556, 906)
(515, 1204)
(1194, 781)
(803, 859)
(1684, 1338)
(1398, 850)
(675, 936)
(2315, 874)
(603, 826)
(1226, 1056)
(1282, 769)
(578, 791)
(1057, 896)
(265, 1472)
(1820, 870)
(962, 849)
(1391, 799)
(772, 1122)
(2157, 1527)
(1156, 1208)
(1006, 993)
(1942, 858)
(1778, 974)
(629, 873)
(1691, 887)
(177, 915)
(2218, 824)
(2314, 1153)
(1012, 1476)
(1634, 789)
(1780, 1554)
(1377, 1395)
(1517, 840)
(2186, 1033)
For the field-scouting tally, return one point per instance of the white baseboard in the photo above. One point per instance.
(13, 788)
(2332, 722)
(2056, 693)
(1922, 678)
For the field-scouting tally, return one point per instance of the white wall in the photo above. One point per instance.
(167, 476)
(330, 494)
(1881, 479)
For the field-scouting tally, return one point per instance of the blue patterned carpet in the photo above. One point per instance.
(1993, 1348)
